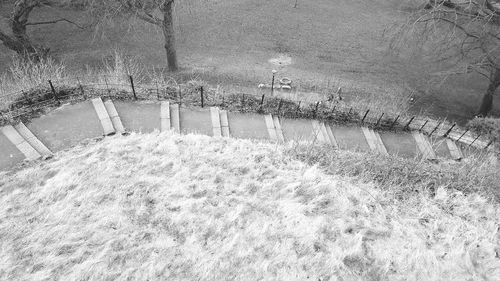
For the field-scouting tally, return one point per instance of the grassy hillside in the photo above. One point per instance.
(162, 206)
(331, 43)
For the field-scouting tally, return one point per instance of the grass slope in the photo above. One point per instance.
(169, 207)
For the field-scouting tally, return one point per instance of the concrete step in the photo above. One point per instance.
(374, 141)
(440, 147)
(279, 130)
(249, 126)
(380, 144)
(455, 151)
(224, 123)
(104, 118)
(350, 138)
(115, 118)
(67, 126)
(196, 120)
(33, 140)
(319, 133)
(271, 129)
(299, 130)
(141, 117)
(10, 155)
(175, 120)
(329, 132)
(165, 123)
(401, 144)
(21, 144)
(423, 145)
(215, 118)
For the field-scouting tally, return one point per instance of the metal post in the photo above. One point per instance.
(272, 83)
(157, 91)
(474, 140)
(439, 124)
(180, 96)
(488, 145)
(279, 106)
(409, 122)
(262, 102)
(54, 94)
(366, 113)
(425, 123)
(380, 118)
(202, 98)
(394, 122)
(316, 110)
(463, 135)
(298, 107)
(449, 130)
(133, 87)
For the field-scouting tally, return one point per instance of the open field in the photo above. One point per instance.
(165, 206)
(330, 44)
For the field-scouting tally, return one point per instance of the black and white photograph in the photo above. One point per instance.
(248, 140)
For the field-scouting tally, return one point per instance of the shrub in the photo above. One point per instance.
(486, 126)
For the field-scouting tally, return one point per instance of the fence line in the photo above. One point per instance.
(24, 103)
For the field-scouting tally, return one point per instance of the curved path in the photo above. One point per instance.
(69, 124)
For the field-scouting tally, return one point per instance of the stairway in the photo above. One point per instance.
(70, 124)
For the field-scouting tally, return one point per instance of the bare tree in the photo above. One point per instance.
(469, 35)
(156, 12)
(13, 29)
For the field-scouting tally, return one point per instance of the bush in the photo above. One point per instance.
(486, 126)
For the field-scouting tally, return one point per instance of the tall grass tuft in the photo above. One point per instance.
(24, 75)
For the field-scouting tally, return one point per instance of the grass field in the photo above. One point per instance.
(331, 44)
(170, 207)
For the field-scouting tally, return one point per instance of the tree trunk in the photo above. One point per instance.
(168, 33)
(18, 40)
(487, 103)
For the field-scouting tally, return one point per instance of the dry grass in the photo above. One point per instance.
(169, 207)
(24, 75)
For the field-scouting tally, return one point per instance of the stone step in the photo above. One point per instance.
(115, 118)
(104, 118)
(279, 130)
(33, 140)
(140, 117)
(401, 144)
(319, 133)
(455, 151)
(175, 122)
(216, 124)
(380, 144)
(329, 132)
(350, 138)
(271, 129)
(165, 123)
(224, 123)
(374, 141)
(423, 145)
(21, 144)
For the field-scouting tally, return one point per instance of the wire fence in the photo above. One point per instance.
(24, 105)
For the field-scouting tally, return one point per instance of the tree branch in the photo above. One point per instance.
(55, 21)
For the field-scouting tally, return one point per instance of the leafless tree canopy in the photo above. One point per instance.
(156, 12)
(467, 32)
(13, 28)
